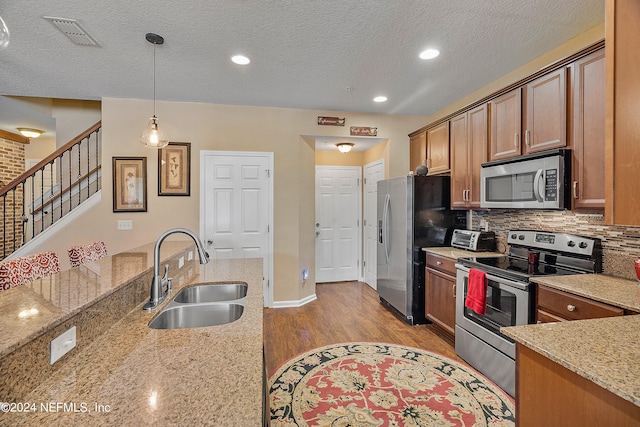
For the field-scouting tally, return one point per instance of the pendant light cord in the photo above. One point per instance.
(154, 80)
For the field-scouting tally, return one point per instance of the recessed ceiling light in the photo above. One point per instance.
(429, 54)
(240, 60)
(380, 99)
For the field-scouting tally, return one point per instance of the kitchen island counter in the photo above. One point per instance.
(134, 375)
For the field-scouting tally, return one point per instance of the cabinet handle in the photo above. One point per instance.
(454, 290)
(575, 189)
(466, 195)
(571, 307)
(526, 137)
(438, 262)
(515, 139)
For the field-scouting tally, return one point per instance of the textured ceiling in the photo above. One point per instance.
(305, 54)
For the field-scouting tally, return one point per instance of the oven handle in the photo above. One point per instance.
(501, 280)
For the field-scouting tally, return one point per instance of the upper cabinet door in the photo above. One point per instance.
(418, 150)
(588, 89)
(477, 141)
(545, 112)
(505, 112)
(438, 148)
(459, 162)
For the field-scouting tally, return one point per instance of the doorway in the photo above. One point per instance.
(236, 208)
(338, 211)
(373, 172)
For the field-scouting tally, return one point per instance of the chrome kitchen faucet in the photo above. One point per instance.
(161, 286)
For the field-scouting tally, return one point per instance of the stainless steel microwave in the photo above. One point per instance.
(534, 181)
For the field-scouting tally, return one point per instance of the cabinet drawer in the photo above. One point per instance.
(441, 263)
(573, 307)
(544, 317)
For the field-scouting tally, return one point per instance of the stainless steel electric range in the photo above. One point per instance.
(510, 296)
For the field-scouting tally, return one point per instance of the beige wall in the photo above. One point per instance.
(221, 127)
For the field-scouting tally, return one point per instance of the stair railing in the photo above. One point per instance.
(49, 190)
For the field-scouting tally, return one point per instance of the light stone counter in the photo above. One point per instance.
(605, 351)
(455, 253)
(133, 375)
(619, 292)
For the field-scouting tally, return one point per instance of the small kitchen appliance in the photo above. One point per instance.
(510, 296)
(475, 241)
(534, 181)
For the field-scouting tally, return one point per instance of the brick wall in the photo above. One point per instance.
(620, 244)
(11, 165)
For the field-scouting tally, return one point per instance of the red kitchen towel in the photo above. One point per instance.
(477, 291)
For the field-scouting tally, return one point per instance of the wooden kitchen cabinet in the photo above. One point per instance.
(506, 120)
(587, 130)
(468, 151)
(544, 112)
(553, 305)
(438, 148)
(548, 394)
(622, 126)
(440, 292)
(418, 150)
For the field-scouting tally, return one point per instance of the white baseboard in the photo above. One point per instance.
(294, 303)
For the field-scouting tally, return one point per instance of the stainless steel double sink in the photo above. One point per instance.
(203, 304)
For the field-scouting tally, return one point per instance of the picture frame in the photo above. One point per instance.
(129, 184)
(174, 169)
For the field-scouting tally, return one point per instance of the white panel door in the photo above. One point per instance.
(373, 172)
(236, 216)
(337, 223)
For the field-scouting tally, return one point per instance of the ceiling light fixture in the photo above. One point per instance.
(380, 99)
(30, 133)
(429, 54)
(153, 137)
(240, 60)
(4, 34)
(345, 147)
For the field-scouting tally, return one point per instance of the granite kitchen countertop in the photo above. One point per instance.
(455, 253)
(605, 351)
(134, 375)
(619, 292)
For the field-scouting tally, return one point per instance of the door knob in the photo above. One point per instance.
(317, 224)
(210, 241)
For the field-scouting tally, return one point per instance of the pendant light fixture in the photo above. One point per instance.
(4, 34)
(153, 137)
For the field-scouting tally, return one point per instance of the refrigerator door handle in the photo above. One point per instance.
(385, 225)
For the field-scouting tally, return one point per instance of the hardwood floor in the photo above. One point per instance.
(343, 312)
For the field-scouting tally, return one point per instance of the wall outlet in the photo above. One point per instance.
(181, 262)
(62, 344)
(125, 224)
(190, 256)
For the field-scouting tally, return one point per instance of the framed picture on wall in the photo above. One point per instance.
(174, 169)
(129, 184)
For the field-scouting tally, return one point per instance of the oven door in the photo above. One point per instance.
(508, 304)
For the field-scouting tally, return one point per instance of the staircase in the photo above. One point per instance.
(51, 189)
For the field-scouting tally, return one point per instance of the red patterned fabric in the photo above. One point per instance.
(26, 269)
(80, 254)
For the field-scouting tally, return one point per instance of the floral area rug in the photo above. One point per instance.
(372, 384)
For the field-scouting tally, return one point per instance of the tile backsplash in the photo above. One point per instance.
(620, 244)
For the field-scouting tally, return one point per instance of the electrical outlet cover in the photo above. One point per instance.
(63, 344)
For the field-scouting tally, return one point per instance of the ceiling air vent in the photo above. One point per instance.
(72, 29)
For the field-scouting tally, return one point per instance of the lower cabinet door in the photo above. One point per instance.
(440, 300)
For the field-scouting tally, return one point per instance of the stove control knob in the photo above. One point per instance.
(571, 243)
(521, 237)
(582, 245)
(514, 236)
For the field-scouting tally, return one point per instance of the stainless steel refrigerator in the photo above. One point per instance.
(413, 212)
